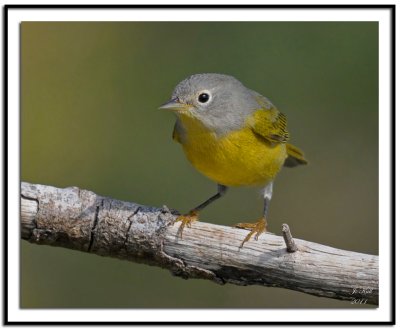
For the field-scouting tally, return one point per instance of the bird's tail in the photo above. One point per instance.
(295, 156)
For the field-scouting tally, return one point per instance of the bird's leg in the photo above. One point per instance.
(261, 225)
(193, 214)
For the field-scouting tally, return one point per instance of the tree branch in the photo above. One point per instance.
(79, 219)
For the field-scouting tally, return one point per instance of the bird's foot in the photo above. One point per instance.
(255, 228)
(187, 220)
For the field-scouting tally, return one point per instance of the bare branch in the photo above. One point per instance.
(287, 236)
(79, 219)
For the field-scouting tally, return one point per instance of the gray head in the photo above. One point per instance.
(221, 102)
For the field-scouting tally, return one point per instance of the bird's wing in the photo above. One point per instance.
(268, 123)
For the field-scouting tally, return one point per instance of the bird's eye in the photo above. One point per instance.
(204, 97)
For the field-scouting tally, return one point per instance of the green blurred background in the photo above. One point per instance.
(89, 118)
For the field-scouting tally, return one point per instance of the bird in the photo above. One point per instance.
(232, 135)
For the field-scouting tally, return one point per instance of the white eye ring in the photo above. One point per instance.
(204, 97)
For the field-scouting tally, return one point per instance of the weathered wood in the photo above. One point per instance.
(287, 236)
(81, 220)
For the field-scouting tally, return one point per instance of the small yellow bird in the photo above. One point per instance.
(232, 135)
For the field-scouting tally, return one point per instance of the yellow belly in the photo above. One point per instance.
(237, 159)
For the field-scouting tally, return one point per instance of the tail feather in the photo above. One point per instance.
(295, 156)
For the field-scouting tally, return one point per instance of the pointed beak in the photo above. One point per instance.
(174, 105)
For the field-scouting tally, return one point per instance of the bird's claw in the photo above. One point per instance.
(256, 228)
(186, 221)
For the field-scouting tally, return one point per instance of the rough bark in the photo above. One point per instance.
(79, 219)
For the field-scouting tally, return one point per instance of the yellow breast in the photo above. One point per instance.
(236, 159)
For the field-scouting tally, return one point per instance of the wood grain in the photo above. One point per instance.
(81, 220)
